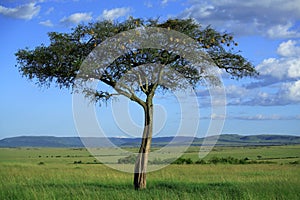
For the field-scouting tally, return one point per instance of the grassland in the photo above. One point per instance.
(50, 173)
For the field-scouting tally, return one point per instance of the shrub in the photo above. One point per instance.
(201, 162)
(227, 160)
(296, 162)
(178, 161)
(214, 160)
(181, 161)
(188, 161)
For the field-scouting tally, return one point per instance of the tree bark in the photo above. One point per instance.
(142, 158)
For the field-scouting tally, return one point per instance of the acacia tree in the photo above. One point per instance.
(60, 63)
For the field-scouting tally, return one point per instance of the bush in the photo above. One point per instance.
(227, 160)
(296, 162)
(178, 161)
(188, 161)
(243, 161)
(181, 161)
(201, 162)
(78, 162)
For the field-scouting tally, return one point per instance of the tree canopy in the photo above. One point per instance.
(60, 61)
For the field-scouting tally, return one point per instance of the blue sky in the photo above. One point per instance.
(268, 33)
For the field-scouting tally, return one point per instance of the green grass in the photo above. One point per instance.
(22, 176)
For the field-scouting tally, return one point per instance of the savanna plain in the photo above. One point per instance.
(257, 172)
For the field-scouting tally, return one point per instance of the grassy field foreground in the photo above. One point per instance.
(27, 173)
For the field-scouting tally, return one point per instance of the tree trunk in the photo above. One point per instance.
(142, 158)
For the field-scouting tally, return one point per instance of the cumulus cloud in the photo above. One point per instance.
(285, 67)
(289, 49)
(27, 11)
(76, 18)
(46, 23)
(279, 80)
(114, 13)
(271, 18)
(293, 90)
(282, 68)
(278, 83)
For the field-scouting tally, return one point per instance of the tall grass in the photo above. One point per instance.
(59, 178)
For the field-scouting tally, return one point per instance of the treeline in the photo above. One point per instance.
(186, 161)
(181, 161)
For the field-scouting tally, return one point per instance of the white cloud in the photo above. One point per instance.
(289, 49)
(270, 18)
(294, 70)
(76, 18)
(285, 67)
(282, 31)
(279, 78)
(26, 11)
(282, 68)
(278, 82)
(46, 23)
(114, 13)
(293, 90)
(199, 11)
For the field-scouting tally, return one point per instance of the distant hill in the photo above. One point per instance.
(223, 140)
(251, 140)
